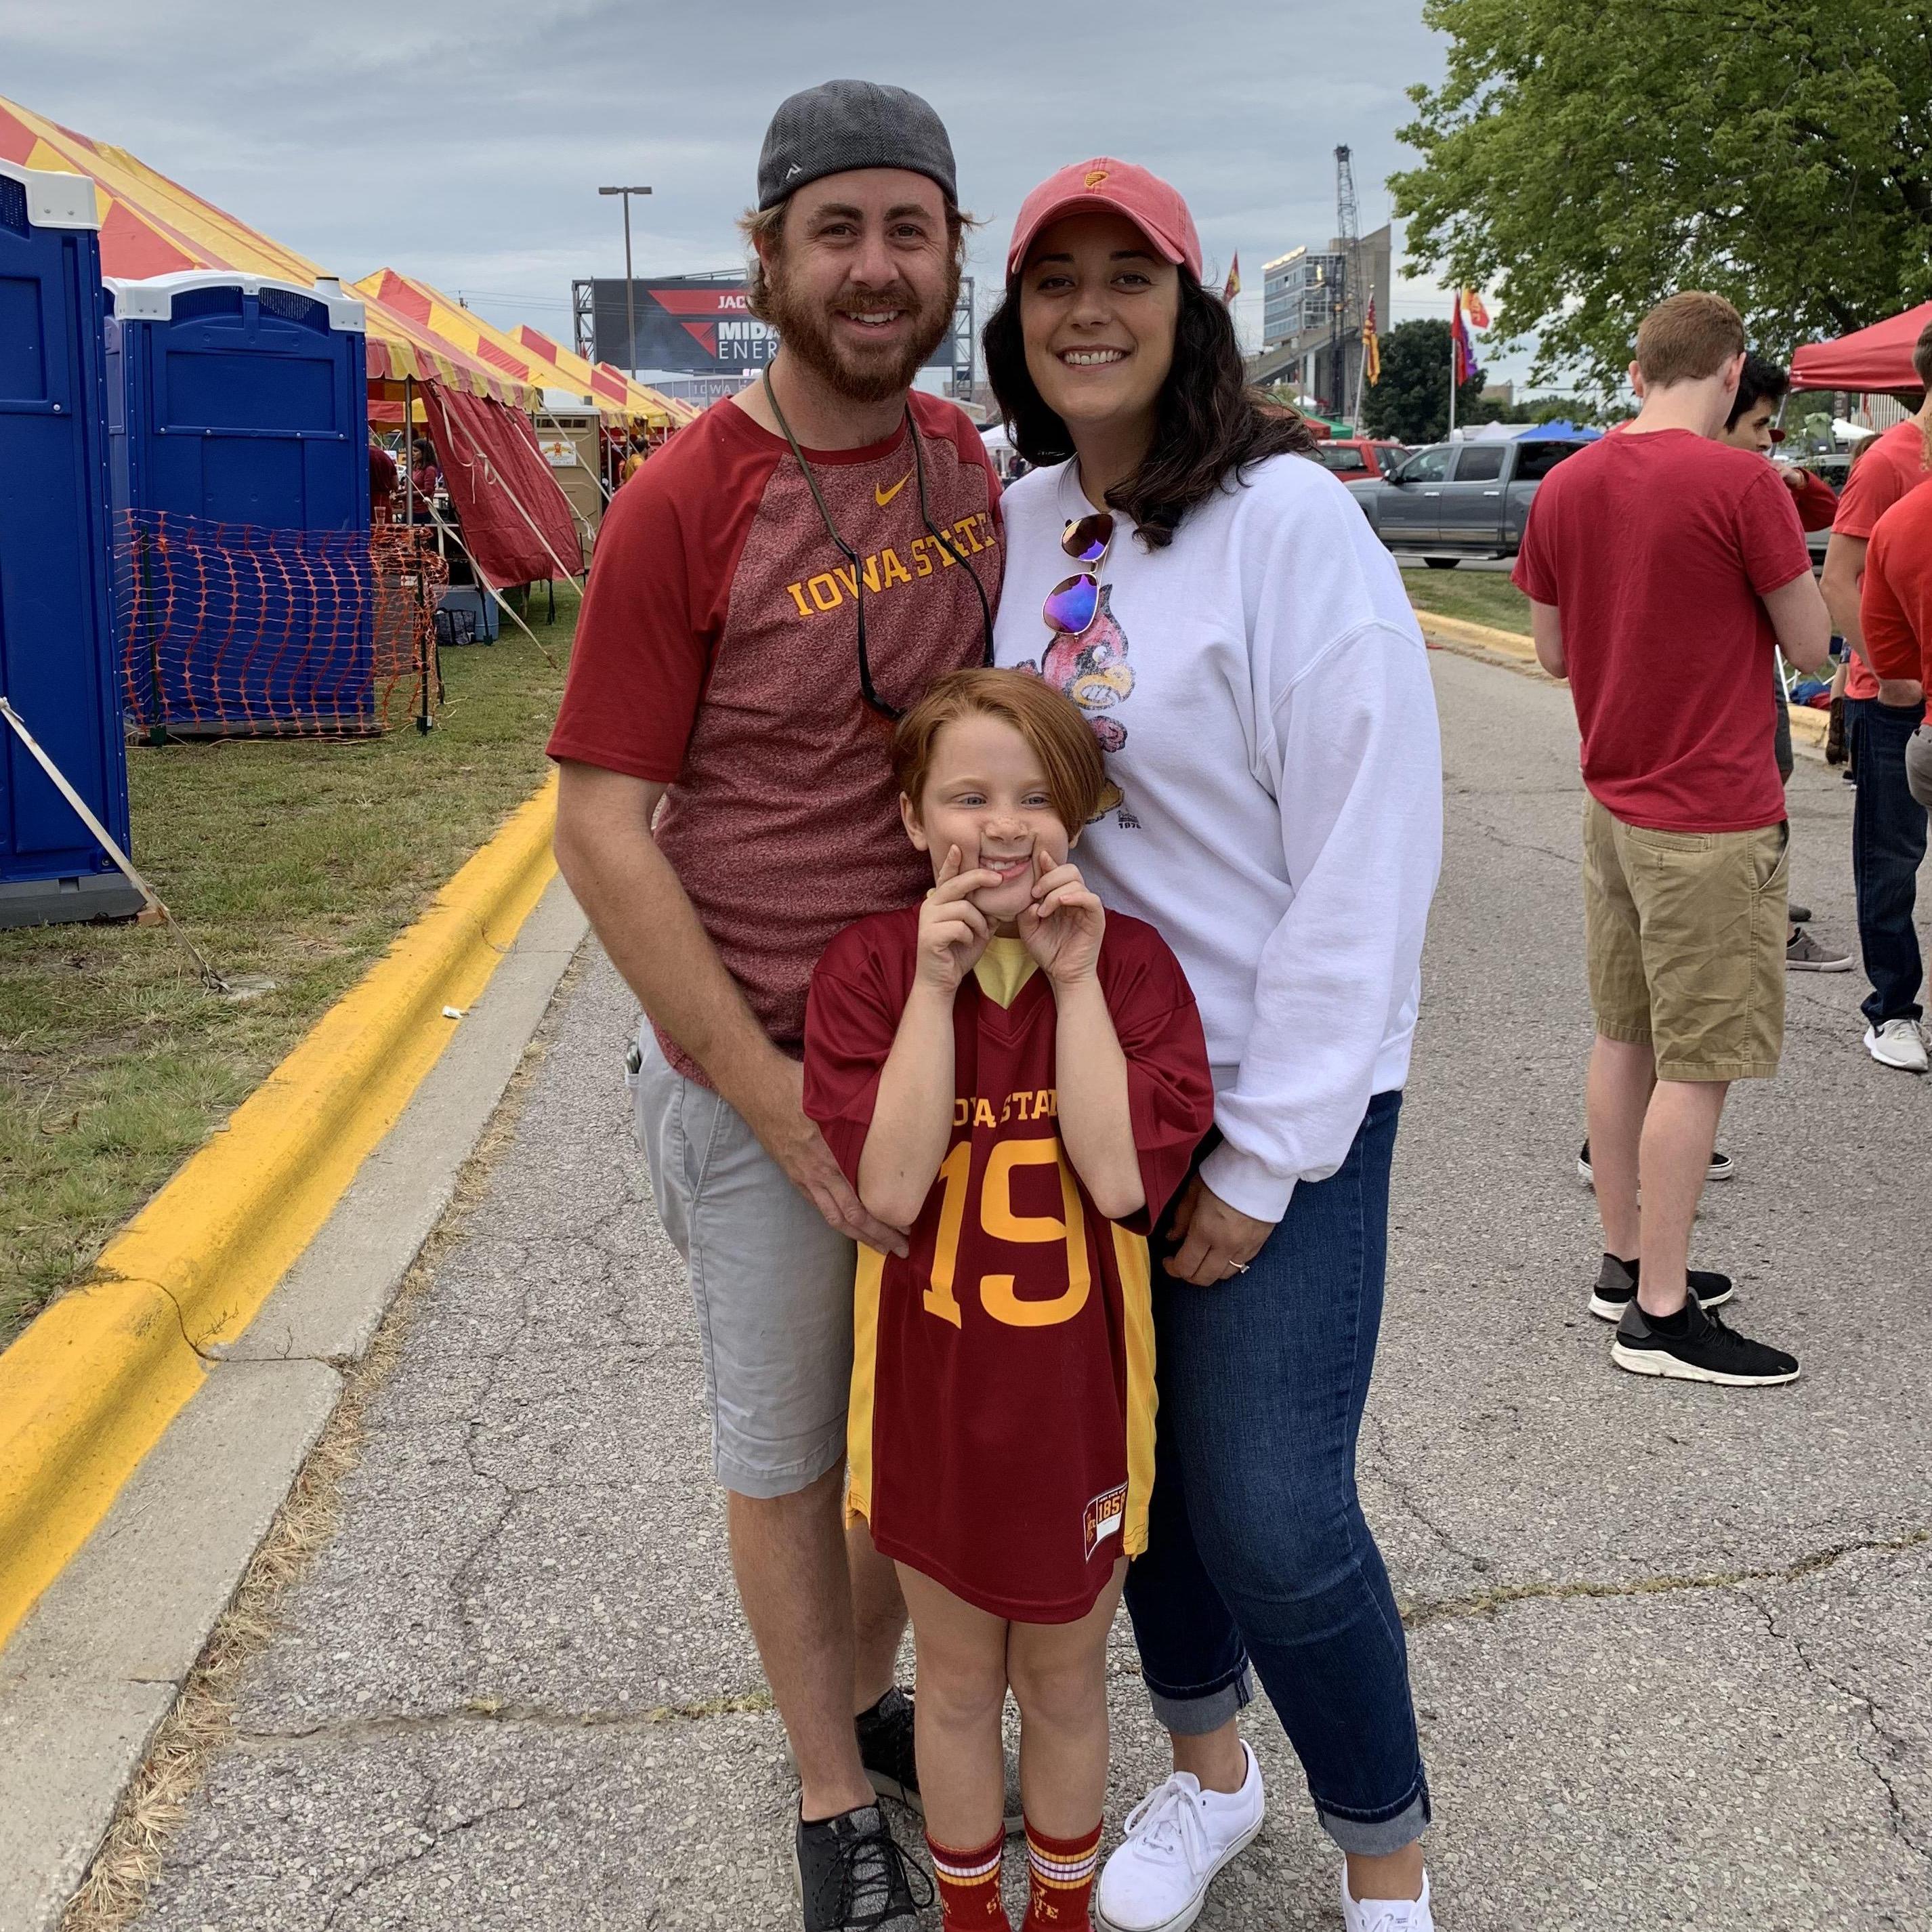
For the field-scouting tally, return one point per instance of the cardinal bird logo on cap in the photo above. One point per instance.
(1093, 670)
(1096, 177)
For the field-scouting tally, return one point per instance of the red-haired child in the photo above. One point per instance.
(1019, 1081)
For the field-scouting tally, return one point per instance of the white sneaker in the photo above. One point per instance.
(1897, 1043)
(1178, 1838)
(1386, 1914)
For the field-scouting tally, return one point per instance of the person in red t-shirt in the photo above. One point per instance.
(1663, 569)
(1888, 827)
(1752, 425)
(1021, 1081)
(1895, 611)
(772, 589)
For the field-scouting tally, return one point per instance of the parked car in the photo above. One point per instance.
(1361, 457)
(1833, 465)
(1459, 499)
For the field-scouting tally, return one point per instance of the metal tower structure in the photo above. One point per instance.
(1345, 304)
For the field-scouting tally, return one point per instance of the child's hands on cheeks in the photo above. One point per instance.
(952, 931)
(1062, 928)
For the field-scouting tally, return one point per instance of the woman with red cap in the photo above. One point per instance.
(1244, 649)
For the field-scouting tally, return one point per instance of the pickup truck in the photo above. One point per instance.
(1458, 499)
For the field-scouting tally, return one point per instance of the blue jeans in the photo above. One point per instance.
(1887, 847)
(1257, 1546)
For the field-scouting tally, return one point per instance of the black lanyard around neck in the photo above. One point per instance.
(866, 688)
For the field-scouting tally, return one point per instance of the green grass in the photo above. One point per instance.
(1477, 596)
(299, 861)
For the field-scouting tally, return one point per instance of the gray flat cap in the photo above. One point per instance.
(843, 124)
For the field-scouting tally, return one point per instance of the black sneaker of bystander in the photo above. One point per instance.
(1616, 1288)
(1692, 1346)
(1722, 1167)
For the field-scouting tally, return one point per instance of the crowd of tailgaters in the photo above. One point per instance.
(1026, 896)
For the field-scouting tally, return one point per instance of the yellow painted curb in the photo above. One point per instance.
(1805, 722)
(1461, 630)
(87, 1390)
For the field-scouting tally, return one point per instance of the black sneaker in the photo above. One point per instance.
(885, 1750)
(1704, 1352)
(1798, 915)
(1722, 1167)
(1616, 1287)
(852, 1875)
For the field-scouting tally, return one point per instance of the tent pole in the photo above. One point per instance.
(423, 633)
(494, 593)
(502, 484)
(152, 912)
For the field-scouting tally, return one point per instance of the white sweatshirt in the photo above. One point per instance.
(1263, 694)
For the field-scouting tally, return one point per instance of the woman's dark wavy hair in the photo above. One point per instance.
(1209, 424)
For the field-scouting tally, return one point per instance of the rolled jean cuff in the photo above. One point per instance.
(1193, 1714)
(1377, 1837)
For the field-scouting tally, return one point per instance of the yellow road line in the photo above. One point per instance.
(1805, 721)
(87, 1390)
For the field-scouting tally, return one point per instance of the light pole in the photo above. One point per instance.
(630, 292)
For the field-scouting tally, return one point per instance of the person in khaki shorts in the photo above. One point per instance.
(1662, 567)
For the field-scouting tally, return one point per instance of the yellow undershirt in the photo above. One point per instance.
(1003, 968)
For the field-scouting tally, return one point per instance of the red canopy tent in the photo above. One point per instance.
(1877, 358)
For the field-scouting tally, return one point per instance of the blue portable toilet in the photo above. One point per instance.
(239, 416)
(58, 660)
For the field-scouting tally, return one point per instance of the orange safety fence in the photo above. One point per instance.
(231, 630)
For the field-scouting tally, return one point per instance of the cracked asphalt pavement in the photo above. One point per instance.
(1670, 1645)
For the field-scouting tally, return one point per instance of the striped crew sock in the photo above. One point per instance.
(1060, 1873)
(969, 1885)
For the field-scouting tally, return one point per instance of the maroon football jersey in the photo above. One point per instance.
(1000, 1439)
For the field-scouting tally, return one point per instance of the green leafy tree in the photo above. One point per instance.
(1411, 403)
(1583, 162)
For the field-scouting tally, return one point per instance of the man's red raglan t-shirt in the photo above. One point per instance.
(1001, 1431)
(1656, 549)
(1894, 467)
(717, 655)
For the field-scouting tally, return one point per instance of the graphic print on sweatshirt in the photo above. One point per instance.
(1092, 668)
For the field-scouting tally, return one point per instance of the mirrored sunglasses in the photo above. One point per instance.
(1072, 604)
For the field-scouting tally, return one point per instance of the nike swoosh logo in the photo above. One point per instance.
(883, 497)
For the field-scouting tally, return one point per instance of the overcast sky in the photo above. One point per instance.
(464, 145)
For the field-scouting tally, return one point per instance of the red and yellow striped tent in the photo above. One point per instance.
(659, 410)
(524, 351)
(152, 226)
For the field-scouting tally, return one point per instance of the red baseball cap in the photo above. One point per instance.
(1105, 186)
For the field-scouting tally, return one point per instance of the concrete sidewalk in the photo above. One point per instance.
(1670, 1646)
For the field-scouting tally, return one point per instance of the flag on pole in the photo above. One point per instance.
(1234, 287)
(1472, 307)
(1372, 347)
(1467, 368)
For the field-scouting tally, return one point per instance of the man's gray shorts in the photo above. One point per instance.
(772, 1284)
(1918, 764)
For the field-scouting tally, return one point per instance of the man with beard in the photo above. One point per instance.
(772, 590)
